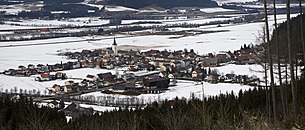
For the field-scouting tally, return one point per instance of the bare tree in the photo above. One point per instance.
(302, 31)
(279, 59)
(290, 54)
(270, 65)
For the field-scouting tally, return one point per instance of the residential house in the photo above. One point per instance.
(166, 68)
(55, 88)
(10, 72)
(69, 83)
(60, 75)
(106, 78)
(244, 58)
(209, 62)
(75, 65)
(196, 74)
(76, 111)
(156, 82)
(119, 88)
(66, 66)
(31, 66)
(128, 76)
(230, 78)
(39, 66)
(223, 58)
(45, 77)
(91, 78)
(21, 67)
(58, 67)
(177, 65)
(185, 63)
(159, 63)
(67, 88)
(86, 53)
(213, 78)
(173, 79)
(42, 68)
(132, 68)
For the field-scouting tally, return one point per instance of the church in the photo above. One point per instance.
(115, 48)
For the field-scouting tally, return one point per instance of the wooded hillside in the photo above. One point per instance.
(295, 36)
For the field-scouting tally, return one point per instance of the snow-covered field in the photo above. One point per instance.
(214, 10)
(184, 89)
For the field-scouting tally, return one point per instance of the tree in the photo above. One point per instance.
(61, 104)
(185, 51)
(20, 91)
(279, 59)
(302, 31)
(290, 55)
(270, 65)
(15, 89)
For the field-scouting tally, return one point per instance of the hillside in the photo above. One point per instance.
(164, 3)
(295, 36)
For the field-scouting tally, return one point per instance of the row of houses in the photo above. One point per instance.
(141, 82)
(233, 78)
(51, 76)
(32, 69)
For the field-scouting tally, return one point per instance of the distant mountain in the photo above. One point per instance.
(163, 3)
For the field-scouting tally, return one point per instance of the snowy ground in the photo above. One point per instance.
(184, 89)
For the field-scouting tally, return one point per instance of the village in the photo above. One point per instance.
(144, 72)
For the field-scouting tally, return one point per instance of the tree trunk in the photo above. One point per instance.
(266, 76)
(302, 31)
(290, 55)
(279, 60)
(270, 65)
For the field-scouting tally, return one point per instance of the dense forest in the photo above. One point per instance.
(164, 3)
(295, 36)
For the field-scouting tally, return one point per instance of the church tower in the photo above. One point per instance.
(114, 48)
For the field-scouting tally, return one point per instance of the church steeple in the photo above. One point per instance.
(114, 47)
(114, 41)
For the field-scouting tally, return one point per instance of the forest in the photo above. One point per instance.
(246, 110)
(282, 36)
